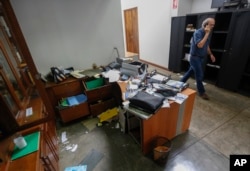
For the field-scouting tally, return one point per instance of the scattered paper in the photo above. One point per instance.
(74, 147)
(132, 87)
(76, 168)
(166, 103)
(180, 98)
(112, 75)
(29, 111)
(63, 137)
(159, 77)
(71, 147)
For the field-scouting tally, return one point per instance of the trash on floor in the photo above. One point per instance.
(76, 168)
(90, 124)
(108, 114)
(66, 144)
(63, 137)
(71, 147)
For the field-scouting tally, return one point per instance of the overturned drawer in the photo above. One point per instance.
(102, 106)
(74, 112)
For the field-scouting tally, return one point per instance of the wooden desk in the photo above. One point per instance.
(99, 99)
(167, 122)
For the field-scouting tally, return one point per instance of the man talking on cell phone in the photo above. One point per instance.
(198, 52)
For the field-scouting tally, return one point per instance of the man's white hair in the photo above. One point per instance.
(206, 21)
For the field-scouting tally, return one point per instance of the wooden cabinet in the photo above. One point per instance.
(101, 98)
(44, 158)
(24, 104)
(16, 94)
(68, 88)
(49, 148)
(20, 83)
(229, 44)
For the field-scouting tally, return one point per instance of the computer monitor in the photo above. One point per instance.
(218, 3)
(229, 4)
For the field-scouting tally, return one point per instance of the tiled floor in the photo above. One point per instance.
(219, 127)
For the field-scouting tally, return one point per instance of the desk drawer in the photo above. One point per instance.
(100, 107)
(67, 89)
(74, 112)
(103, 92)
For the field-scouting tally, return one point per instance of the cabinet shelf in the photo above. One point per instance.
(187, 45)
(213, 66)
(246, 74)
(190, 31)
(220, 32)
(184, 60)
(218, 50)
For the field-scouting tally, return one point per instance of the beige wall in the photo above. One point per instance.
(74, 33)
(155, 25)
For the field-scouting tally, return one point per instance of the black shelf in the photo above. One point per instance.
(223, 21)
(244, 87)
(211, 74)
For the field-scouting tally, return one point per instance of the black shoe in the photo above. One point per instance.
(204, 96)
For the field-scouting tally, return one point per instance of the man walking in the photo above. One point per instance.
(198, 52)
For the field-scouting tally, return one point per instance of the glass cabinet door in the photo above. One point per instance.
(5, 93)
(13, 59)
(6, 68)
(6, 32)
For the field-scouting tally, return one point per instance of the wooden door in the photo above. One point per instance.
(131, 30)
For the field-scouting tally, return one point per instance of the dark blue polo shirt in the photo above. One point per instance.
(197, 37)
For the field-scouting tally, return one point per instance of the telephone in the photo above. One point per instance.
(114, 65)
(57, 74)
